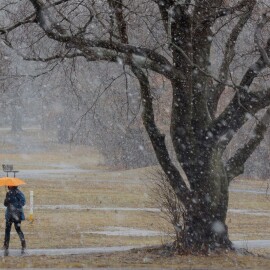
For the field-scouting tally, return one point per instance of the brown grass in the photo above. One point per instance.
(105, 188)
(143, 258)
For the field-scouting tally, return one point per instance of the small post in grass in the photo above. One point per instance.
(31, 212)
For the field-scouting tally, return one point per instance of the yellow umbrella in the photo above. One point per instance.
(11, 181)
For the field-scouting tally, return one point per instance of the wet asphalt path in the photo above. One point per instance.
(247, 244)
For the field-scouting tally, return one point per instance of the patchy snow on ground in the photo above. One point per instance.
(126, 231)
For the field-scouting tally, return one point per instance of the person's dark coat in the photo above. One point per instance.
(14, 201)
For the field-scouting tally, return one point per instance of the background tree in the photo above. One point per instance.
(182, 44)
(11, 106)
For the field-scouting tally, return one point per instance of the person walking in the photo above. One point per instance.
(14, 201)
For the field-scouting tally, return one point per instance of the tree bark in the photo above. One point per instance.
(205, 221)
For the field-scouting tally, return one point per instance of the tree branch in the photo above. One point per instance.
(30, 19)
(60, 2)
(243, 102)
(258, 38)
(148, 58)
(117, 5)
(158, 139)
(235, 165)
(228, 58)
(228, 11)
(53, 57)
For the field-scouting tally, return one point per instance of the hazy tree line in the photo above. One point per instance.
(73, 114)
(81, 125)
(103, 115)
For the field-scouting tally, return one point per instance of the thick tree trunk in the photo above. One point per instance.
(204, 230)
(205, 219)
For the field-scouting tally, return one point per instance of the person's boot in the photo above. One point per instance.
(6, 252)
(23, 247)
(5, 248)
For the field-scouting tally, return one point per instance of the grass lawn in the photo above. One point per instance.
(102, 187)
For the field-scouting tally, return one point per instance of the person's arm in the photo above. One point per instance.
(21, 198)
(6, 201)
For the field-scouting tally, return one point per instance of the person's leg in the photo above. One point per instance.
(18, 229)
(7, 236)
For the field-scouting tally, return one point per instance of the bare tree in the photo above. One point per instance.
(179, 40)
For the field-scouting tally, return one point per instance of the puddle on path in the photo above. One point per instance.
(252, 244)
(126, 231)
(250, 212)
(68, 251)
(253, 191)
